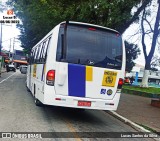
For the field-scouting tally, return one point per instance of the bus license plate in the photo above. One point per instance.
(84, 103)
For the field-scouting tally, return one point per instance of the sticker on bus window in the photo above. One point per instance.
(34, 70)
(109, 78)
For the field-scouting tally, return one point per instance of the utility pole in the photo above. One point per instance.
(1, 39)
(10, 48)
(13, 48)
(0, 50)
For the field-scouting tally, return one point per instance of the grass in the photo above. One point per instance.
(147, 90)
(148, 128)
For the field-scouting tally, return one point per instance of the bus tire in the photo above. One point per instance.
(28, 90)
(82, 110)
(37, 102)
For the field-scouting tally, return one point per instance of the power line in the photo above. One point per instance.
(10, 39)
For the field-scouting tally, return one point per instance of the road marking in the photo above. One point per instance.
(6, 78)
(72, 129)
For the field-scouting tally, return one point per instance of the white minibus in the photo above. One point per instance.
(77, 65)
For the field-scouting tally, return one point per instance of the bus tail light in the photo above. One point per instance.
(93, 29)
(120, 83)
(50, 77)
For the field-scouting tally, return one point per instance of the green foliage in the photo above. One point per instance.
(2, 7)
(152, 90)
(148, 128)
(40, 16)
(132, 52)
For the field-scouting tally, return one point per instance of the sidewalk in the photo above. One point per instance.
(139, 110)
(3, 70)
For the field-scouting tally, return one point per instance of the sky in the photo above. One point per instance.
(12, 31)
(9, 31)
(132, 36)
(127, 36)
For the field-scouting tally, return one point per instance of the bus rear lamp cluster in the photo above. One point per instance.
(50, 77)
(60, 99)
(120, 83)
(57, 98)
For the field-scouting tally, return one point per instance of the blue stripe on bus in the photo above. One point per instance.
(76, 80)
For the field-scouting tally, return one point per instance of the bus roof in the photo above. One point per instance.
(78, 23)
(93, 25)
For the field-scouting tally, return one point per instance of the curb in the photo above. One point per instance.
(131, 123)
(155, 102)
(3, 70)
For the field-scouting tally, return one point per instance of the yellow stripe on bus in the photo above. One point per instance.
(89, 73)
(34, 70)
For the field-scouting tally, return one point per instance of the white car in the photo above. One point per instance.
(23, 69)
(10, 67)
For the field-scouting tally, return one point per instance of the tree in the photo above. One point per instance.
(132, 52)
(2, 7)
(154, 33)
(155, 62)
(40, 16)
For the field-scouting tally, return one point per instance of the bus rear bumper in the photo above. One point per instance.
(84, 103)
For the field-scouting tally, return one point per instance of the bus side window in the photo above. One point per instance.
(60, 44)
(42, 50)
(35, 53)
(39, 53)
(45, 50)
(32, 56)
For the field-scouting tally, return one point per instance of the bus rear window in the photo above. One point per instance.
(91, 46)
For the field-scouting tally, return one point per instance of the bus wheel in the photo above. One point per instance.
(28, 90)
(37, 102)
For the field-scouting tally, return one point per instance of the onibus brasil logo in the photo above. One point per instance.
(9, 17)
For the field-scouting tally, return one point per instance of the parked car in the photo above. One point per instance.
(23, 69)
(10, 67)
(21, 66)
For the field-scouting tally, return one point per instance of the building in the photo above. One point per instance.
(154, 76)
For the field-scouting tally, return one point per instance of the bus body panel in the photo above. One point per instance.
(61, 79)
(69, 101)
(74, 81)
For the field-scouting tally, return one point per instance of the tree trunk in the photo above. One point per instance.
(145, 78)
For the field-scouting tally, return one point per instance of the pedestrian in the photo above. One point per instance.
(131, 80)
(7, 68)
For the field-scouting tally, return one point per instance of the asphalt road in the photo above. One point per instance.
(18, 113)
